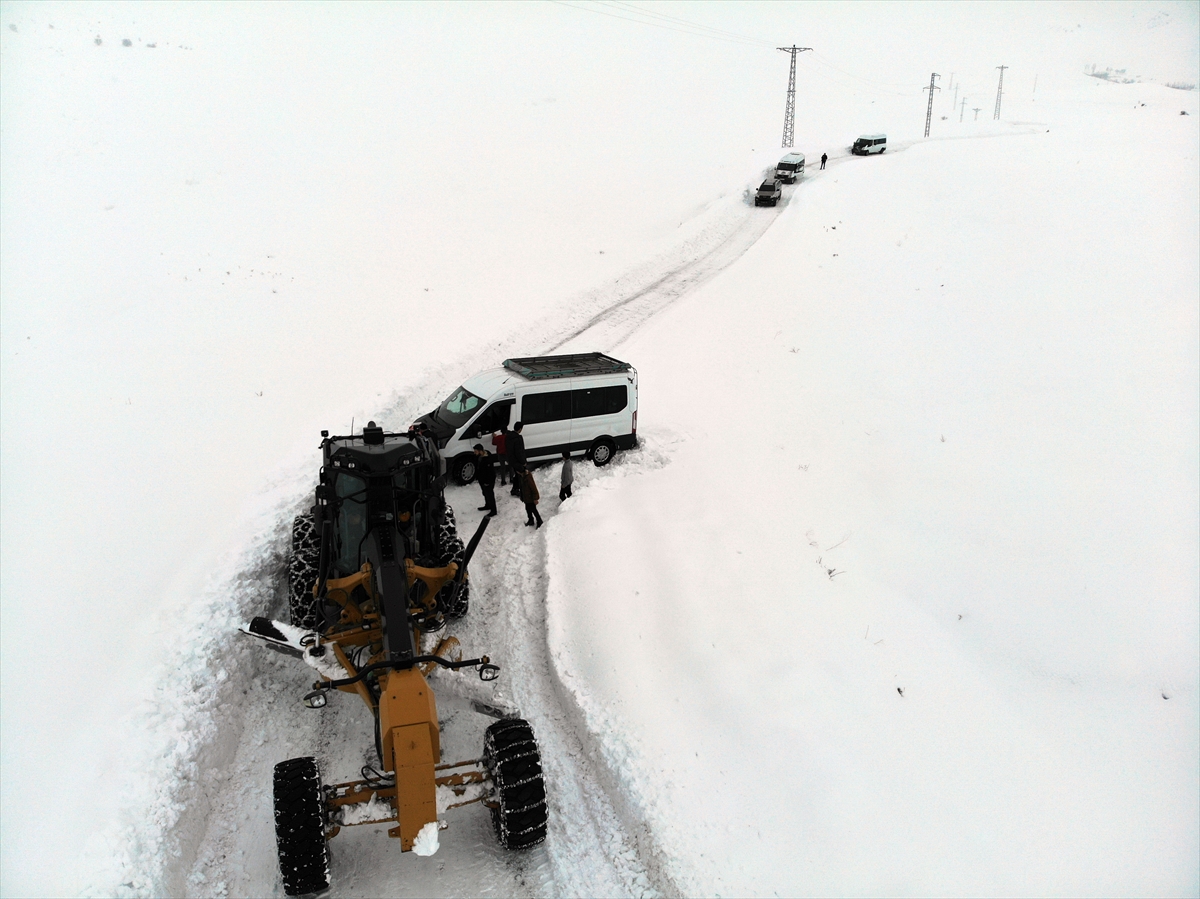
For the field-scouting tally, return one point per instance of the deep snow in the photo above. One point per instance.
(916, 595)
(401, 183)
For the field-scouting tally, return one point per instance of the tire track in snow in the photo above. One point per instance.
(584, 829)
(616, 322)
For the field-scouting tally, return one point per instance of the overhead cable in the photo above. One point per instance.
(677, 20)
(664, 25)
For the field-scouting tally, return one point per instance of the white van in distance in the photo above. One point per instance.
(869, 144)
(584, 404)
(790, 168)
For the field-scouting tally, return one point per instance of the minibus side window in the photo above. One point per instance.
(615, 398)
(587, 402)
(599, 401)
(550, 406)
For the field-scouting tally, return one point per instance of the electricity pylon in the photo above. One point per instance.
(929, 111)
(999, 91)
(789, 115)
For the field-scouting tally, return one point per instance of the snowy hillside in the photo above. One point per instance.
(898, 595)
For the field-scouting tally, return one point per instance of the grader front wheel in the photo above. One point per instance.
(302, 571)
(450, 548)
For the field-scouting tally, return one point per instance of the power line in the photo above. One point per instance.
(842, 82)
(789, 115)
(888, 87)
(664, 26)
(732, 35)
(629, 12)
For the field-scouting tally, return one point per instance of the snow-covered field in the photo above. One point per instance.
(898, 596)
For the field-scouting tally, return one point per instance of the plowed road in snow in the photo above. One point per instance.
(211, 831)
(225, 833)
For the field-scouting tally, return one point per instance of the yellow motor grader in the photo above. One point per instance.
(376, 569)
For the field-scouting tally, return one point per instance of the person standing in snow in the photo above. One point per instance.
(514, 447)
(824, 156)
(501, 459)
(568, 477)
(485, 474)
(530, 497)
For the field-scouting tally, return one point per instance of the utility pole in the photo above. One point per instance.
(962, 110)
(977, 108)
(929, 111)
(789, 115)
(955, 96)
(999, 91)
(1035, 84)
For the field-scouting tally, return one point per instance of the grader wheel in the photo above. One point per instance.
(300, 827)
(511, 755)
(302, 571)
(450, 548)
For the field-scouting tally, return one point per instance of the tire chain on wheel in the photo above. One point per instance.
(450, 548)
(511, 755)
(300, 827)
(302, 571)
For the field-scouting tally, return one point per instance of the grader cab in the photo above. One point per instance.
(384, 572)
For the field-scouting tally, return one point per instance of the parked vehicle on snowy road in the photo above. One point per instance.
(869, 145)
(768, 193)
(583, 403)
(790, 168)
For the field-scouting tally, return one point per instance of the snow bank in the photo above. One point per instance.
(912, 610)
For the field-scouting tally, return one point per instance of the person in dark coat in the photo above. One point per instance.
(824, 156)
(514, 449)
(568, 477)
(530, 497)
(498, 440)
(485, 474)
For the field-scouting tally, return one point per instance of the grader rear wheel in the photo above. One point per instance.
(300, 827)
(510, 753)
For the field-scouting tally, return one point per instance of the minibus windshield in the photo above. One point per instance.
(458, 408)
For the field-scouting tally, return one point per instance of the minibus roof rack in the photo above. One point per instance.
(537, 368)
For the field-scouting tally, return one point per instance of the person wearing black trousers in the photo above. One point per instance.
(514, 448)
(485, 474)
(530, 497)
(568, 477)
(824, 156)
